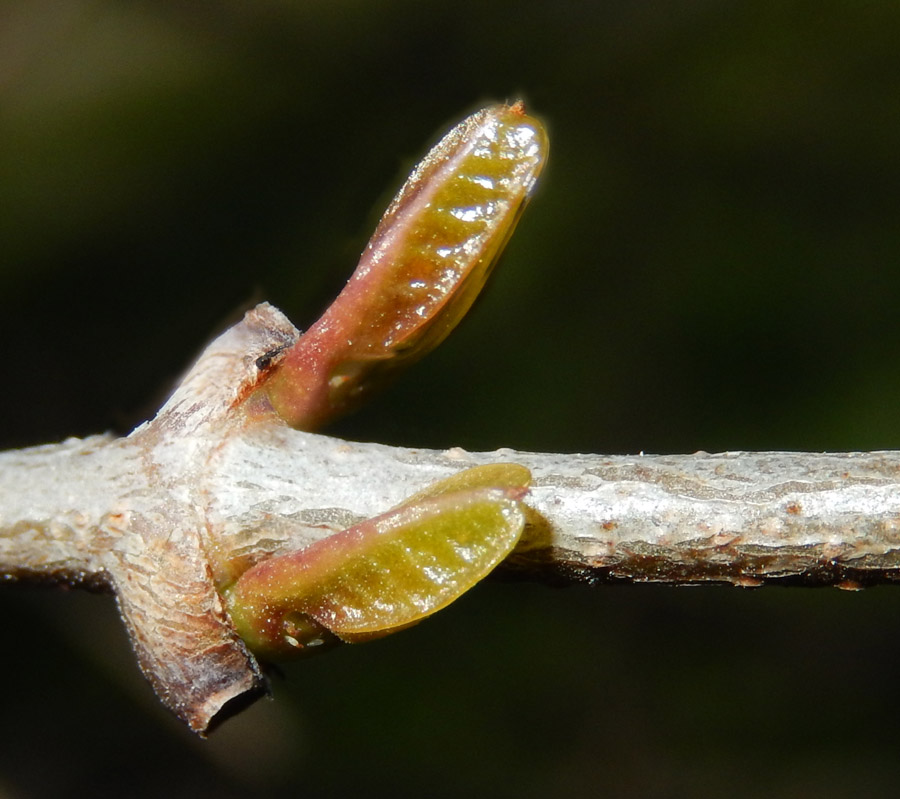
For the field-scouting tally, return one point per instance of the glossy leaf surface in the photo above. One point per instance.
(383, 574)
(426, 262)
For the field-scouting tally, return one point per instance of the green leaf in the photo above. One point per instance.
(428, 259)
(383, 574)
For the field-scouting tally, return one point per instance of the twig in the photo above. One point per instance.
(153, 516)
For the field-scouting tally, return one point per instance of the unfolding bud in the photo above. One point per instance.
(386, 573)
(426, 262)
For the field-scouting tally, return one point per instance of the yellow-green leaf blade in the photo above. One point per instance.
(428, 259)
(378, 576)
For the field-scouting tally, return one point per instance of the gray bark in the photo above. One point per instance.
(153, 516)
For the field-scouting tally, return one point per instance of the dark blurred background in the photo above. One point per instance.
(710, 263)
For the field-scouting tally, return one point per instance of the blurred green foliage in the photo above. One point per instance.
(710, 263)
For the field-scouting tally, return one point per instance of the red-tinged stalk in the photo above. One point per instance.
(383, 574)
(426, 262)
